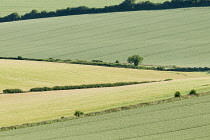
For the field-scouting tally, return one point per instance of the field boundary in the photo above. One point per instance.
(72, 87)
(115, 65)
(127, 5)
(93, 62)
(62, 119)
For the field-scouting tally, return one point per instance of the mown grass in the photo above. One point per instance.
(30, 74)
(35, 107)
(163, 37)
(25, 6)
(185, 119)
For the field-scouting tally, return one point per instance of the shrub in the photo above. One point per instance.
(12, 91)
(177, 94)
(168, 79)
(78, 113)
(20, 58)
(161, 68)
(97, 61)
(117, 61)
(192, 92)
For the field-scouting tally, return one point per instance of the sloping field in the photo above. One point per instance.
(25, 6)
(40, 106)
(167, 37)
(181, 120)
(30, 74)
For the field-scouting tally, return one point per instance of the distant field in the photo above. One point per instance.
(25, 6)
(167, 37)
(180, 120)
(30, 74)
(40, 106)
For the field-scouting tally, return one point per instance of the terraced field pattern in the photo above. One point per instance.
(40, 106)
(165, 37)
(30, 74)
(180, 120)
(25, 6)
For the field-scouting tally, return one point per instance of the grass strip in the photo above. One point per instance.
(104, 112)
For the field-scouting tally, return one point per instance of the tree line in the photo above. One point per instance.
(127, 5)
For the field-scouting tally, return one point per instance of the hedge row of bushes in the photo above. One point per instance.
(93, 62)
(127, 5)
(12, 91)
(108, 64)
(38, 89)
(190, 69)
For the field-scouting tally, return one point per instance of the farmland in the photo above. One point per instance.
(164, 38)
(30, 74)
(40, 106)
(160, 36)
(25, 6)
(186, 119)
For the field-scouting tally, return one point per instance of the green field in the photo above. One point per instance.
(40, 106)
(25, 6)
(180, 120)
(30, 74)
(165, 37)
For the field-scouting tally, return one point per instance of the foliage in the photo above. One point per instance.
(177, 94)
(136, 59)
(97, 61)
(12, 91)
(127, 5)
(78, 113)
(38, 89)
(192, 92)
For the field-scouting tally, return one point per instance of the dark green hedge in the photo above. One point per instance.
(98, 63)
(85, 86)
(12, 91)
(127, 5)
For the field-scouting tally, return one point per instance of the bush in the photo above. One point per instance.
(97, 61)
(78, 113)
(192, 92)
(12, 91)
(117, 61)
(177, 94)
(20, 58)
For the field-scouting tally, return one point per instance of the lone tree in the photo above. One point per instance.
(78, 113)
(136, 59)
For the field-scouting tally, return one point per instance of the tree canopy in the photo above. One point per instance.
(136, 59)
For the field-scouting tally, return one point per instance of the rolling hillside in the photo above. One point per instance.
(25, 6)
(29, 74)
(40, 106)
(181, 120)
(166, 37)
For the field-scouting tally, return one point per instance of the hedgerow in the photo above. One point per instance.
(127, 5)
(12, 91)
(38, 89)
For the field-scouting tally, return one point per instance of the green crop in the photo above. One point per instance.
(185, 119)
(163, 37)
